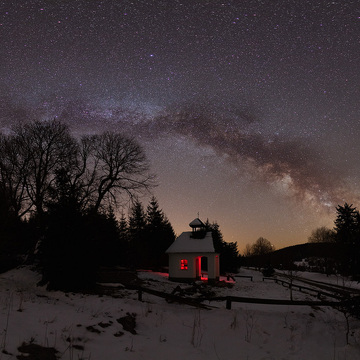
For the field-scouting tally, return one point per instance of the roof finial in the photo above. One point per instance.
(198, 215)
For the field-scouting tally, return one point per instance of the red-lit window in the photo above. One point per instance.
(183, 264)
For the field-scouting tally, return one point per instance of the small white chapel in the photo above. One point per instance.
(192, 255)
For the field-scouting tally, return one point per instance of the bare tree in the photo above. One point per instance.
(248, 250)
(322, 235)
(43, 147)
(78, 178)
(40, 161)
(108, 166)
(262, 246)
(119, 166)
(13, 168)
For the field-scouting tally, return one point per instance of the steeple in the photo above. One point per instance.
(198, 229)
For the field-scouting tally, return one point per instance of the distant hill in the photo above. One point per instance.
(302, 251)
(287, 256)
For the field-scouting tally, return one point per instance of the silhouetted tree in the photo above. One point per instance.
(347, 233)
(247, 250)
(43, 147)
(217, 236)
(229, 258)
(137, 219)
(123, 225)
(322, 235)
(16, 238)
(75, 243)
(29, 157)
(139, 249)
(100, 167)
(347, 224)
(13, 169)
(159, 233)
(68, 252)
(261, 246)
(107, 234)
(64, 186)
(63, 192)
(120, 167)
(229, 255)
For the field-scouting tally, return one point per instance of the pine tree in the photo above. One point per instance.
(105, 232)
(347, 233)
(229, 255)
(137, 219)
(124, 240)
(123, 228)
(347, 224)
(217, 236)
(16, 238)
(138, 246)
(159, 232)
(68, 252)
(75, 242)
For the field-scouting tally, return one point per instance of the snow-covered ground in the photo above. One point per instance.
(86, 326)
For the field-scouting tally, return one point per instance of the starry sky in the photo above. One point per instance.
(249, 111)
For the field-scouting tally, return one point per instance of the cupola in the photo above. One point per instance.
(198, 228)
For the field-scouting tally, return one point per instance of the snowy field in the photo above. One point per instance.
(89, 326)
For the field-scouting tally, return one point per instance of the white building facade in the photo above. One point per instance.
(192, 255)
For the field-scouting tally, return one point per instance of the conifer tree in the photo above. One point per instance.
(123, 228)
(347, 233)
(124, 252)
(159, 232)
(229, 255)
(347, 224)
(139, 249)
(137, 218)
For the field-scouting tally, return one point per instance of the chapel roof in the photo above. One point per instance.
(185, 243)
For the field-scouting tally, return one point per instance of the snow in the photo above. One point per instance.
(187, 244)
(171, 330)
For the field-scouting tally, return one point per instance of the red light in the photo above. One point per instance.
(183, 264)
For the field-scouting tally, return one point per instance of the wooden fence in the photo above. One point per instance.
(171, 297)
(301, 288)
(244, 276)
(229, 300)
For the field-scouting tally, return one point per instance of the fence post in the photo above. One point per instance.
(228, 303)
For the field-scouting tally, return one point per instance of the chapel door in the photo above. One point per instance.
(198, 267)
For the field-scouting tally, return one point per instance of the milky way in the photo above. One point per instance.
(248, 111)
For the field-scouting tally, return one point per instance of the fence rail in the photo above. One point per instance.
(229, 300)
(244, 276)
(171, 297)
(301, 287)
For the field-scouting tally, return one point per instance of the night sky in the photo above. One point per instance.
(247, 110)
